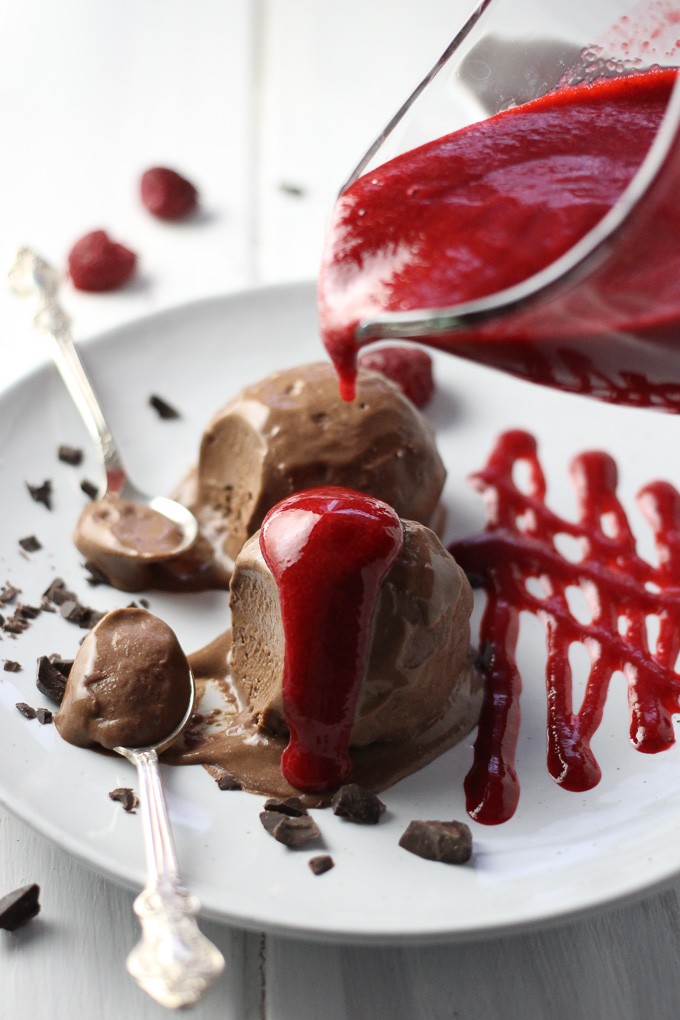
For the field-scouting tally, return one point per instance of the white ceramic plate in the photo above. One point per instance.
(561, 854)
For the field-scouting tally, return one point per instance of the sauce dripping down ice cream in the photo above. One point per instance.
(328, 550)
(487, 207)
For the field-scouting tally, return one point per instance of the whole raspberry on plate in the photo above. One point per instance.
(409, 367)
(96, 263)
(166, 194)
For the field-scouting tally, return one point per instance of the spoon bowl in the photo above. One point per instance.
(32, 277)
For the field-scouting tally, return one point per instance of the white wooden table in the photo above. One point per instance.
(266, 105)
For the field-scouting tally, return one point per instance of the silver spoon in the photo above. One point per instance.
(32, 277)
(174, 962)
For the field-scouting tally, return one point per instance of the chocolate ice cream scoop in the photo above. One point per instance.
(130, 684)
(291, 431)
(420, 668)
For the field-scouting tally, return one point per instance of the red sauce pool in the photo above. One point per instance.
(328, 550)
(488, 206)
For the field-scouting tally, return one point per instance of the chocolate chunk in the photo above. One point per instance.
(27, 612)
(70, 455)
(18, 907)
(292, 832)
(125, 796)
(89, 488)
(51, 681)
(26, 710)
(95, 576)
(165, 410)
(70, 606)
(450, 842)
(292, 806)
(321, 864)
(8, 594)
(44, 716)
(41, 493)
(357, 805)
(228, 782)
(57, 592)
(11, 666)
(30, 543)
(15, 624)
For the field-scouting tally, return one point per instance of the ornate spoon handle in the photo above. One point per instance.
(174, 962)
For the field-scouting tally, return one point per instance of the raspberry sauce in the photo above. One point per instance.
(519, 544)
(328, 549)
(485, 208)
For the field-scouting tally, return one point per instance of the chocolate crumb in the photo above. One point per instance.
(357, 805)
(44, 716)
(11, 666)
(144, 603)
(291, 806)
(89, 488)
(228, 782)
(70, 455)
(19, 907)
(95, 576)
(30, 543)
(8, 594)
(51, 677)
(125, 796)
(15, 624)
(26, 710)
(292, 832)
(27, 612)
(164, 409)
(321, 864)
(449, 842)
(41, 493)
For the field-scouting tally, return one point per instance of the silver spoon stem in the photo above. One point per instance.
(33, 277)
(174, 962)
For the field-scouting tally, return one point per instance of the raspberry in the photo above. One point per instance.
(97, 263)
(409, 367)
(166, 194)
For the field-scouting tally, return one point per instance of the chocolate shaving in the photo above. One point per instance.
(228, 782)
(70, 455)
(52, 675)
(125, 796)
(321, 864)
(89, 488)
(292, 832)
(291, 806)
(11, 666)
(449, 842)
(44, 716)
(355, 804)
(26, 710)
(19, 907)
(41, 493)
(8, 594)
(165, 410)
(30, 543)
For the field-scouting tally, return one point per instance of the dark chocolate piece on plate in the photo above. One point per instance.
(164, 409)
(321, 864)
(26, 710)
(70, 455)
(41, 493)
(20, 906)
(357, 805)
(449, 842)
(228, 782)
(30, 543)
(89, 488)
(8, 593)
(11, 666)
(292, 806)
(125, 796)
(44, 716)
(292, 832)
(51, 677)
